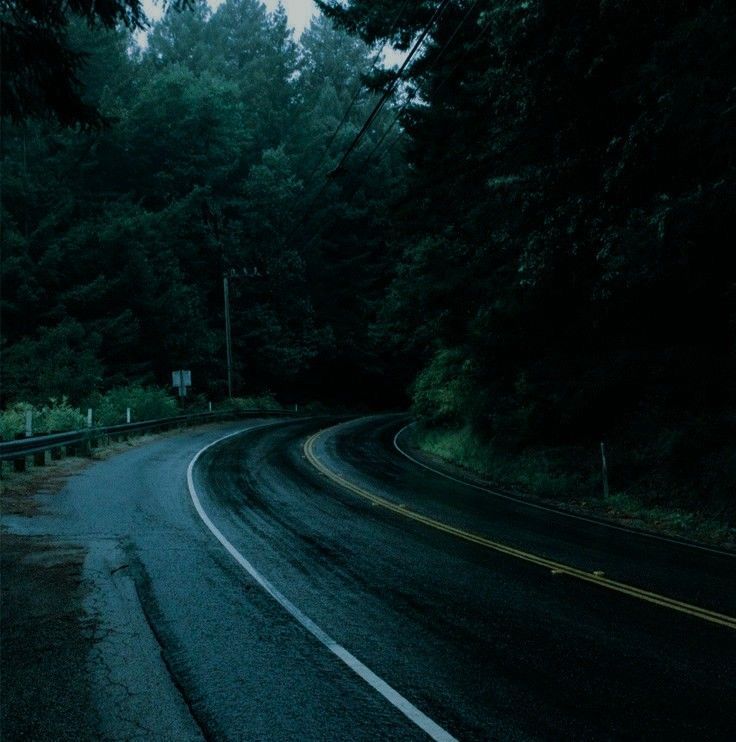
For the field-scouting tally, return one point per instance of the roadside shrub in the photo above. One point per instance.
(13, 420)
(257, 402)
(58, 415)
(146, 403)
(443, 393)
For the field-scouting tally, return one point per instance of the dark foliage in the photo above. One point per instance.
(116, 240)
(567, 233)
(40, 69)
(544, 257)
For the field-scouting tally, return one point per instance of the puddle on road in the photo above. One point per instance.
(46, 637)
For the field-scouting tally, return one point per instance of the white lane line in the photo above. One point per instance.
(434, 730)
(528, 504)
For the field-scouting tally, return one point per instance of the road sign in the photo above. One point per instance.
(176, 378)
(181, 380)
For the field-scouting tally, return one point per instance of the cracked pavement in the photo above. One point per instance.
(80, 659)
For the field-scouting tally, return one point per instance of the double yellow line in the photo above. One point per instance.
(555, 567)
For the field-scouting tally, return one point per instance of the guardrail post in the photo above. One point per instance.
(20, 463)
(58, 452)
(39, 459)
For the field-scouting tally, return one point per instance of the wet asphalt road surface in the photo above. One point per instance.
(188, 646)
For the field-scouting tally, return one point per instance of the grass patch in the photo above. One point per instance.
(691, 524)
(570, 477)
(257, 402)
(536, 471)
(145, 403)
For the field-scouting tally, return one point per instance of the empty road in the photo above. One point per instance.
(302, 579)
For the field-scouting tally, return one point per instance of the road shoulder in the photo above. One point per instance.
(595, 510)
(79, 658)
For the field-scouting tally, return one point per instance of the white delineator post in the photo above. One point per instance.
(29, 423)
(89, 417)
(127, 415)
(604, 470)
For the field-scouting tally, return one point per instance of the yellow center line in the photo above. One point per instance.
(557, 567)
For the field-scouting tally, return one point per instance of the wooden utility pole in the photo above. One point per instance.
(228, 341)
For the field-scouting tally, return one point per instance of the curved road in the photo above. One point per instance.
(383, 623)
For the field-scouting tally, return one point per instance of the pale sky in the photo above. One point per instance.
(298, 11)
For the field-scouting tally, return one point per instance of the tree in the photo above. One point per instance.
(566, 222)
(62, 357)
(41, 69)
(221, 114)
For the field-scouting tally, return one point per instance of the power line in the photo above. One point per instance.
(342, 122)
(376, 109)
(432, 64)
(356, 95)
(367, 161)
(447, 78)
(389, 91)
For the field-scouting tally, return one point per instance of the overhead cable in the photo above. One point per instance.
(392, 86)
(442, 84)
(356, 95)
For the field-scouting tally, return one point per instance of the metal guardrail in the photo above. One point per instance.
(85, 440)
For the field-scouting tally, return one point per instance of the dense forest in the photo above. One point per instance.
(209, 162)
(530, 242)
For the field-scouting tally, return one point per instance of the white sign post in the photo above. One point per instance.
(604, 470)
